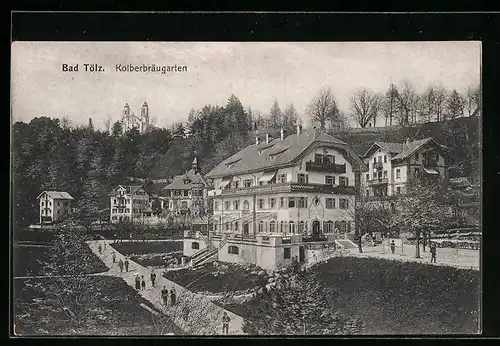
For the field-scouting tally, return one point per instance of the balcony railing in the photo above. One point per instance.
(429, 163)
(325, 167)
(378, 165)
(378, 181)
(287, 187)
(313, 238)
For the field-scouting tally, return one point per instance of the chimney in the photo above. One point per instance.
(267, 138)
(281, 134)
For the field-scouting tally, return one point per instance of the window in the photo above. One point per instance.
(272, 203)
(282, 178)
(272, 226)
(282, 226)
(236, 205)
(127, 201)
(282, 202)
(374, 160)
(367, 193)
(315, 201)
(398, 190)
(287, 253)
(114, 218)
(329, 179)
(385, 174)
(195, 245)
(260, 226)
(186, 193)
(215, 227)
(50, 203)
(127, 210)
(114, 211)
(233, 250)
(291, 202)
(291, 227)
(302, 178)
(43, 204)
(236, 226)
(417, 171)
(226, 205)
(216, 205)
(367, 176)
(302, 202)
(318, 158)
(331, 159)
(416, 157)
(328, 226)
(330, 203)
(385, 158)
(247, 182)
(246, 205)
(398, 173)
(260, 203)
(236, 184)
(343, 203)
(301, 227)
(343, 181)
(50, 211)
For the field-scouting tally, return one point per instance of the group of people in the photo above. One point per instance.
(432, 250)
(165, 294)
(140, 283)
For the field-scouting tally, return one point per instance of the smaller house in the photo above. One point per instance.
(54, 205)
(129, 203)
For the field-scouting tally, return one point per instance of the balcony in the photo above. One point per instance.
(325, 167)
(378, 181)
(430, 163)
(314, 238)
(286, 188)
(378, 165)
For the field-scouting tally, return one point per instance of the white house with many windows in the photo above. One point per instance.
(54, 205)
(275, 195)
(392, 166)
(129, 203)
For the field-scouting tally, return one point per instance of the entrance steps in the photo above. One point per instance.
(345, 244)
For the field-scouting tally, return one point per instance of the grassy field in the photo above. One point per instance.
(226, 277)
(120, 313)
(403, 298)
(142, 248)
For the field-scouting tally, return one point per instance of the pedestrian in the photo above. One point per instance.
(164, 296)
(114, 257)
(153, 278)
(393, 247)
(126, 264)
(172, 296)
(143, 283)
(120, 264)
(100, 249)
(185, 313)
(104, 246)
(137, 282)
(433, 253)
(225, 323)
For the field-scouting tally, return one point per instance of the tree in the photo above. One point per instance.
(117, 129)
(180, 131)
(296, 305)
(429, 103)
(454, 105)
(323, 111)
(406, 102)
(389, 104)
(91, 125)
(364, 106)
(440, 95)
(290, 118)
(275, 116)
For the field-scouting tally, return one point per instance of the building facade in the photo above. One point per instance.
(130, 120)
(274, 196)
(129, 203)
(393, 165)
(187, 193)
(54, 205)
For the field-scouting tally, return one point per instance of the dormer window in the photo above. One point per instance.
(231, 163)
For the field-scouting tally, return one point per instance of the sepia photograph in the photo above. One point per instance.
(246, 188)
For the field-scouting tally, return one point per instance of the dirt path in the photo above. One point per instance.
(205, 318)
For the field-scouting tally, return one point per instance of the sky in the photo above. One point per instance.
(257, 73)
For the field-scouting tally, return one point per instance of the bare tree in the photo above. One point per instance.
(428, 103)
(290, 118)
(107, 124)
(471, 101)
(454, 105)
(440, 96)
(406, 102)
(323, 111)
(364, 106)
(389, 104)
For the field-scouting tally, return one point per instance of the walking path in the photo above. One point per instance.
(205, 318)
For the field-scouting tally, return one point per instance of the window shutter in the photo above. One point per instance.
(307, 178)
(333, 179)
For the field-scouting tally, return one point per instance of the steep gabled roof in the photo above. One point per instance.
(178, 183)
(56, 195)
(286, 151)
(390, 147)
(409, 148)
(130, 189)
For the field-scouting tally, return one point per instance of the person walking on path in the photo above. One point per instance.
(120, 264)
(143, 283)
(164, 296)
(153, 278)
(172, 296)
(225, 323)
(114, 257)
(433, 253)
(104, 246)
(185, 313)
(126, 264)
(393, 247)
(137, 282)
(100, 249)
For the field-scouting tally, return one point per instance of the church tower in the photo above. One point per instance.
(145, 116)
(125, 117)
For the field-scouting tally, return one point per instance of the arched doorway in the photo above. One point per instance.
(316, 229)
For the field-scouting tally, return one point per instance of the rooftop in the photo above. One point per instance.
(56, 195)
(186, 181)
